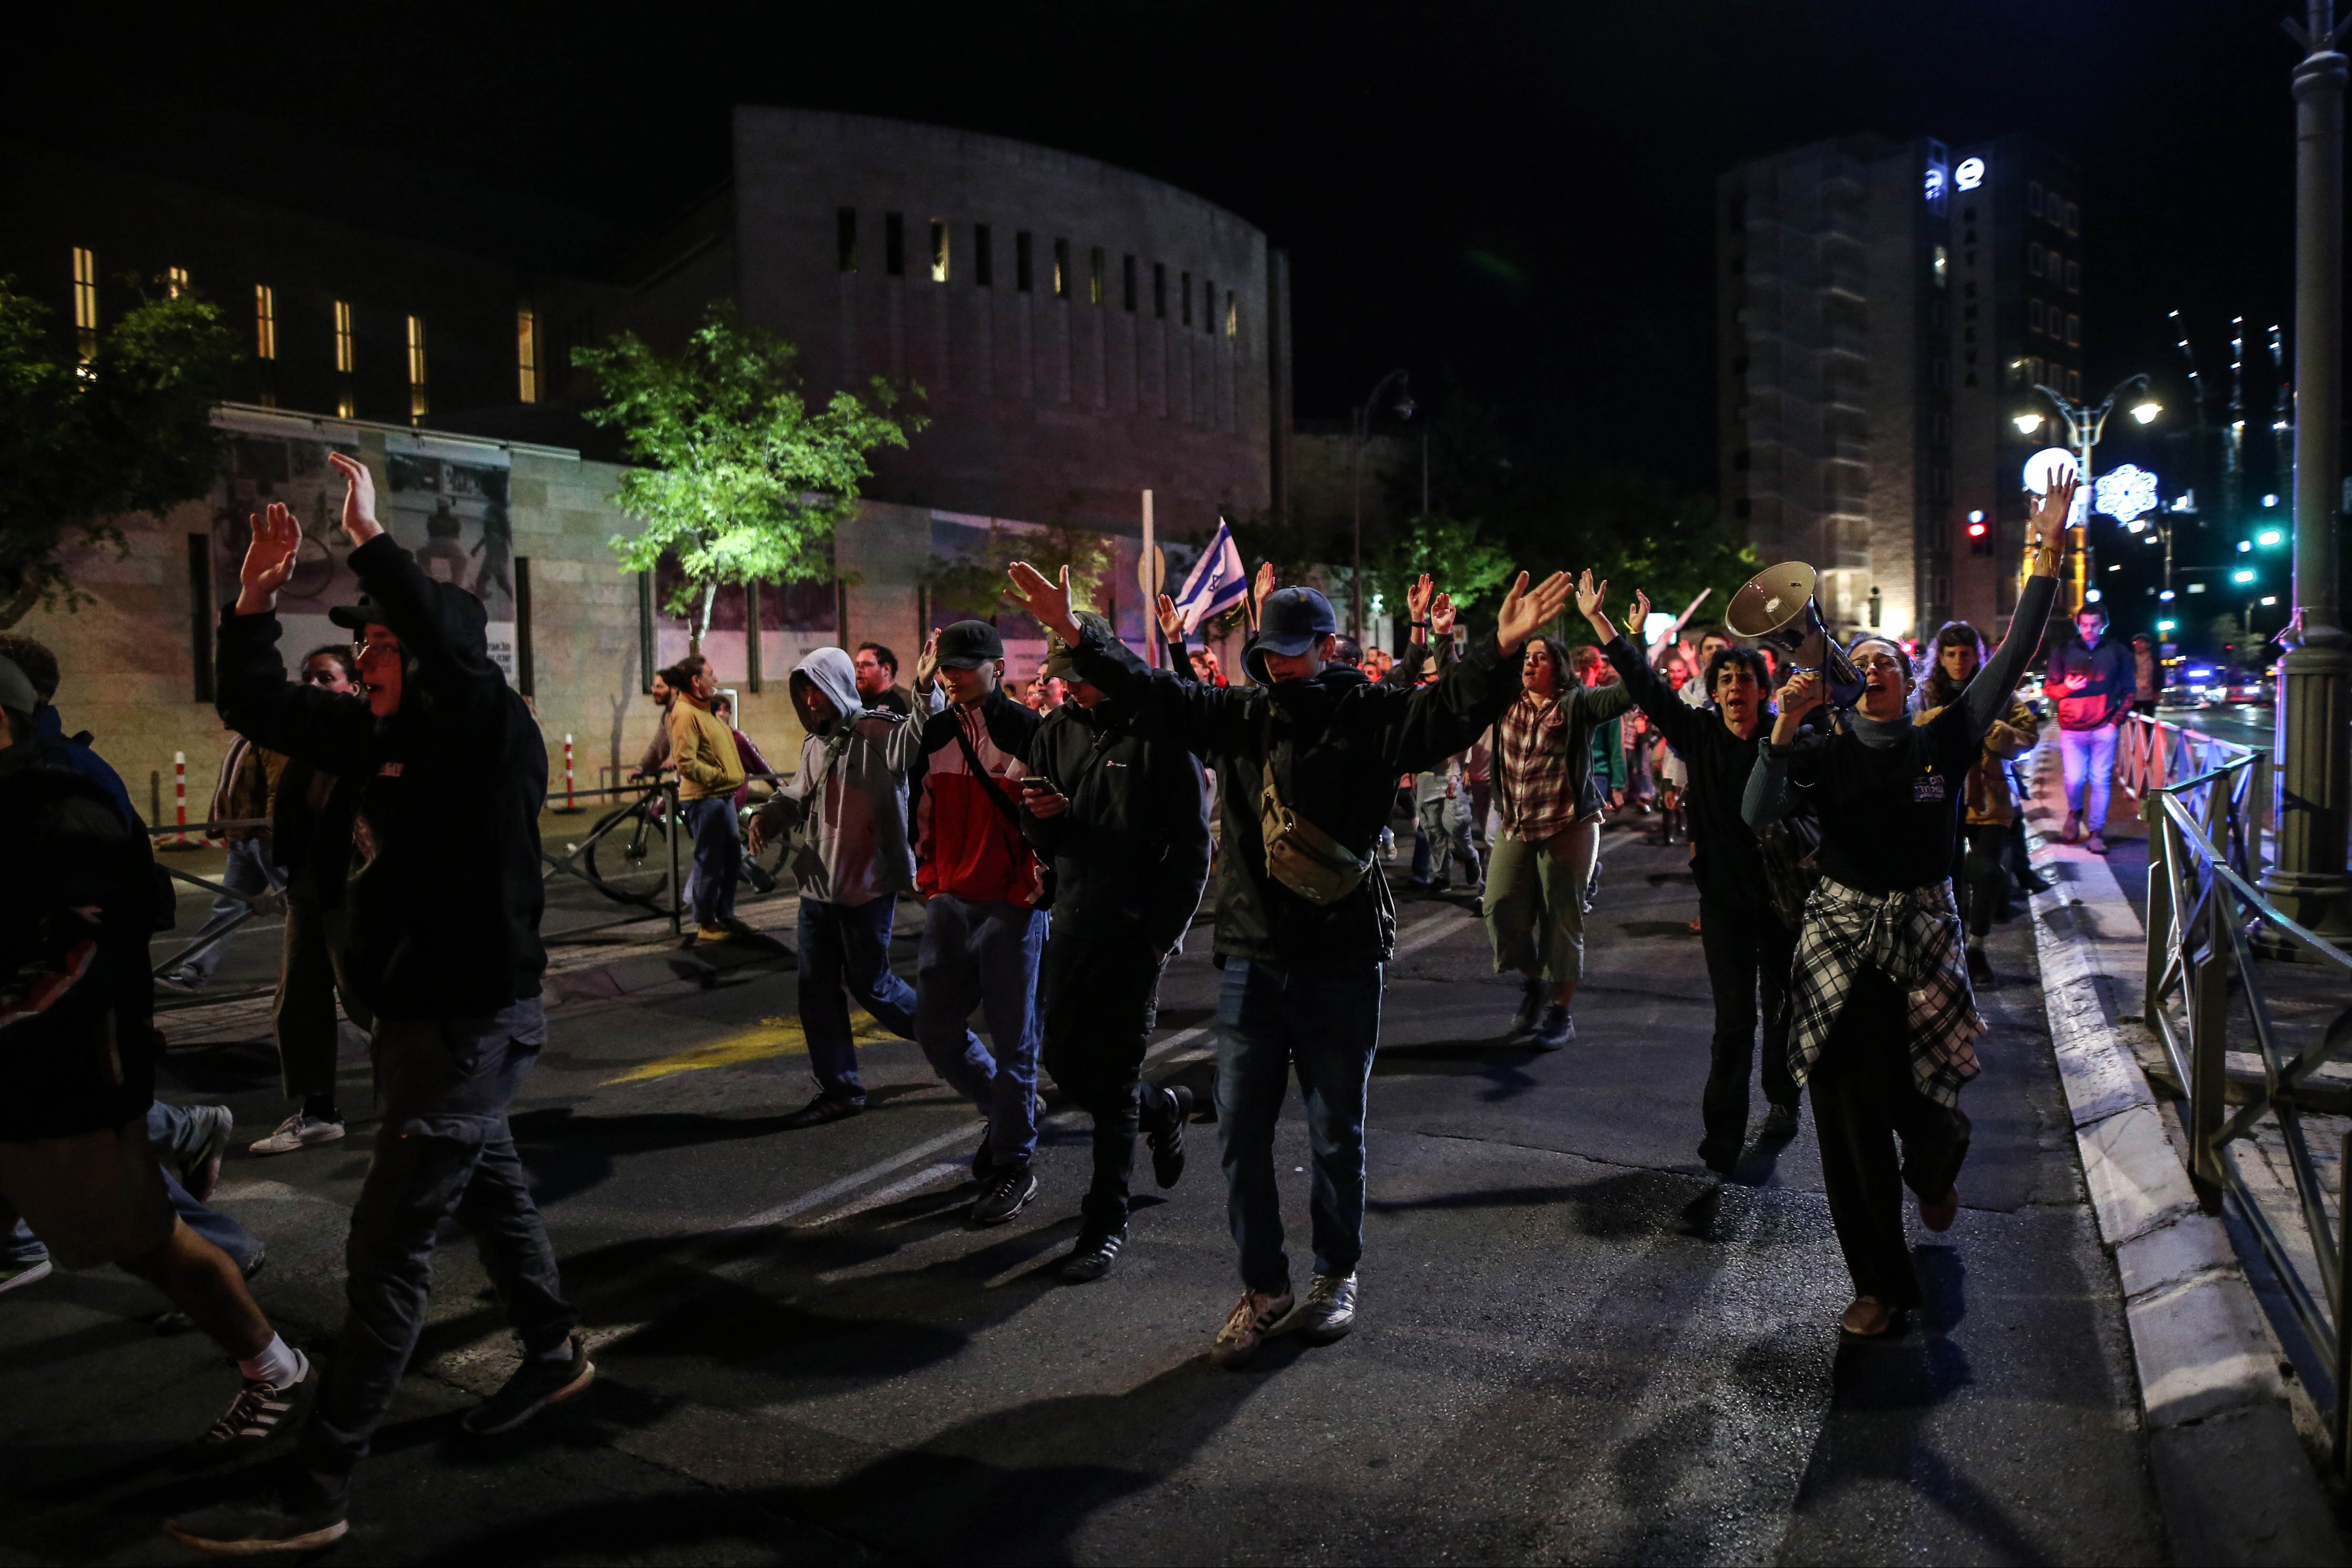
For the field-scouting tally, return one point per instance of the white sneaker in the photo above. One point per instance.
(297, 1131)
(15, 1274)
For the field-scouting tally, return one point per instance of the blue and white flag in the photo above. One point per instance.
(1218, 581)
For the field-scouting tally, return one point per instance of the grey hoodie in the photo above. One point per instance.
(846, 806)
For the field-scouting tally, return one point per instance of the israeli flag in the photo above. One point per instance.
(1217, 583)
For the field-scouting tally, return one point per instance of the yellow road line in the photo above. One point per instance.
(773, 1038)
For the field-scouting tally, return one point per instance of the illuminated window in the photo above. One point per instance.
(344, 357)
(938, 251)
(844, 239)
(1061, 269)
(345, 408)
(417, 403)
(1126, 282)
(1094, 276)
(1233, 316)
(1185, 292)
(983, 257)
(265, 321)
(527, 355)
(894, 244)
(1021, 269)
(85, 268)
(1160, 290)
(175, 281)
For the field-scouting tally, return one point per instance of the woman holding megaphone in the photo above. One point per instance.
(1882, 1018)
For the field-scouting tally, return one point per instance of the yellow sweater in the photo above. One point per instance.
(703, 750)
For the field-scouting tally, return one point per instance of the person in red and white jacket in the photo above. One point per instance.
(984, 932)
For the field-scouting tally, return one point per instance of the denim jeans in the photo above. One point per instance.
(717, 857)
(2090, 759)
(443, 1149)
(847, 944)
(983, 955)
(1445, 828)
(250, 871)
(177, 1141)
(1323, 1018)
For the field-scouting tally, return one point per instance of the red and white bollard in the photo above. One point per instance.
(569, 804)
(179, 839)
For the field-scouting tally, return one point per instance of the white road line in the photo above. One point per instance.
(898, 1189)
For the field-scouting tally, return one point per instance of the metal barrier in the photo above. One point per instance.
(267, 901)
(2205, 916)
(2151, 755)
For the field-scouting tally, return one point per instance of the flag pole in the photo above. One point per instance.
(1145, 577)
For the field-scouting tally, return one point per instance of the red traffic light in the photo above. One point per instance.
(1975, 530)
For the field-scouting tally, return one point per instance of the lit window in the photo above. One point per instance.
(938, 251)
(894, 244)
(1094, 276)
(1023, 273)
(344, 357)
(1126, 282)
(175, 281)
(1061, 269)
(265, 321)
(1160, 290)
(417, 404)
(1233, 316)
(844, 239)
(345, 408)
(527, 355)
(85, 266)
(1186, 288)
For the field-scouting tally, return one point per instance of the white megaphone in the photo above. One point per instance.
(1778, 609)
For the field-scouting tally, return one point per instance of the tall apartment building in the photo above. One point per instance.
(1884, 309)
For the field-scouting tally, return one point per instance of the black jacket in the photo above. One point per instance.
(445, 893)
(2107, 695)
(1130, 852)
(310, 831)
(1339, 741)
(1729, 865)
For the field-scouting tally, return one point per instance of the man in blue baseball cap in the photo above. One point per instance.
(1306, 761)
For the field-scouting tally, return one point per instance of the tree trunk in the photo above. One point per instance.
(701, 622)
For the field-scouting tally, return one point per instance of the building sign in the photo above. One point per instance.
(1970, 174)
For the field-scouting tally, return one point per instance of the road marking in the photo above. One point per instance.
(896, 1190)
(773, 1038)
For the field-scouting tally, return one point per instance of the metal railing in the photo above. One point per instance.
(2205, 917)
(2151, 755)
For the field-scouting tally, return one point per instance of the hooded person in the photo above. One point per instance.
(845, 814)
(443, 901)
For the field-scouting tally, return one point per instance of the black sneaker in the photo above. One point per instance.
(1531, 1002)
(984, 1164)
(305, 1517)
(1980, 967)
(1005, 1193)
(1555, 1029)
(1720, 1156)
(1167, 1142)
(536, 1384)
(1091, 1258)
(825, 1107)
(1780, 1122)
(259, 1412)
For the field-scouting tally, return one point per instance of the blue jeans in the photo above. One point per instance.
(847, 944)
(717, 857)
(177, 1140)
(983, 955)
(250, 871)
(1324, 1018)
(2090, 759)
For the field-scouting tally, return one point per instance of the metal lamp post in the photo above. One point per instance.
(2085, 425)
(1363, 419)
(2307, 878)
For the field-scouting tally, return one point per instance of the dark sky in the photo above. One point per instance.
(1514, 198)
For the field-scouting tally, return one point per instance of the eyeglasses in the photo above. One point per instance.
(361, 649)
(1876, 661)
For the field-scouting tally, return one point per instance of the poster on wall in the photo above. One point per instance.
(281, 461)
(449, 508)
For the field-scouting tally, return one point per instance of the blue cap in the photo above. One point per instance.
(1292, 622)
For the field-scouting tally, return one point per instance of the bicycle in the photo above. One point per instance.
(643, 827)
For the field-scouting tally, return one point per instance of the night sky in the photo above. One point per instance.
(1509, 199)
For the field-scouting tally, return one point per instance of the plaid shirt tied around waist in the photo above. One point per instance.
(1531, 770)
(1911, 936)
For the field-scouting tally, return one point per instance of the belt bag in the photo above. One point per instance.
(1299, 854)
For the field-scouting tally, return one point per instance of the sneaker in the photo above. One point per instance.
(537, 1383)
(1005, 1193)
(2033, 882)
(1326, 1314)
(2095, 842)
(201, 1175)
(825, 1107)
(1980, 967)
(2074, 829)
(299, 1131)
(1246, 1326)
(15, 1274)
(1091, 1258)
(1718, 1155)
(984, 1164)
(305, 1517)
(1554, 1029)
(734, 927)
(1531, 1004)
(1167, 1142)
(258, 1413)
(1780, 1122)
(712, 933)
(182, 982)
(1938, 1216)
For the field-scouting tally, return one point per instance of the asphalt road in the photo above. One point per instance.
(1574, 1345)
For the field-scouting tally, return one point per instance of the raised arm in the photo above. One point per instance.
(333, 733)
(1987, 697)
(1169, 703)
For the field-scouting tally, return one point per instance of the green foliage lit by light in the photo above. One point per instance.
(742, 480)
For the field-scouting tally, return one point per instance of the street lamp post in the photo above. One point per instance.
(1363, 419)
(2085, 425)
(2307, 878)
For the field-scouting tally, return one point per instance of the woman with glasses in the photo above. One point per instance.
(1883, 1022)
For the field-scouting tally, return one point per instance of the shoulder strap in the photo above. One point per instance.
(1004, 807)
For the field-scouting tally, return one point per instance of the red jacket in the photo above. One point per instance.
(963, 843)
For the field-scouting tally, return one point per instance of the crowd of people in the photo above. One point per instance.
(1849, 848)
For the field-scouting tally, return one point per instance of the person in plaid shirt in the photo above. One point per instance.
(1883, 1020)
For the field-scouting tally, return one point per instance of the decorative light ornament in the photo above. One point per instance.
(2048, 465)
(2126, 493)
(1970, 174)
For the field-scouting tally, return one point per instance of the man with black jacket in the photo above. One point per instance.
(1303, 975)
(444, 906)
(1748, 945)
(1124, 819)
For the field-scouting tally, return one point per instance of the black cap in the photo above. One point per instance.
(473, 616)
(968, 644)
(1291, 623)
(357, 617)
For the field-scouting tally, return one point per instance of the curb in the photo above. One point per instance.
(2231, 1475)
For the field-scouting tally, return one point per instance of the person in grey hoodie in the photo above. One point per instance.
(846, 810)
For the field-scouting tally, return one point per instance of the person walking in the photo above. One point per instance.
(247, 791)
(2095, 683)
(1123, 819)
(709, 772)
(443, 901)
(1884, 1023)
(1749, 939)
(655, 756)
(983, 929)
(878, 681)
(846, 813)
(1308, 760)
(2148, 676)
(1979, 870)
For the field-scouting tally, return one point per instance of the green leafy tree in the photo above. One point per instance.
(975, 583)
(83, 443)
(1458, 556)
(743, 482)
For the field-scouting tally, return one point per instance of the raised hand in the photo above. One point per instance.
(2049, 526)
(927, 663)
(1441, 615)
(269, 559)
(1590, 595)
(1637, 613)
(1527, 611)
(1416, 599)
(1261, 585)
(359, 498)
(1047, 600)
(1172, 625)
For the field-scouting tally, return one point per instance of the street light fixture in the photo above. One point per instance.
(1362, 418)
(2146, 412)
(2026, 423)
(2085, 425)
